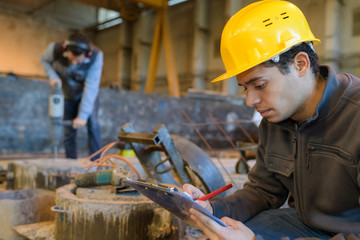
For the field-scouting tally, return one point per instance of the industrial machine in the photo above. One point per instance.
(56, 114)
(165, 159)
(172, 159)
(113, 177)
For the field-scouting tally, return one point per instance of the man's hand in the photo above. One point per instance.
(195, 193)
(235, 230)
(54, 81)
(78, 123)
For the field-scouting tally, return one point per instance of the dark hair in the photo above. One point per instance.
(285, 59)
(78, 44)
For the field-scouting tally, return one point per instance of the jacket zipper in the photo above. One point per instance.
(325, 149)
(297, 174)
(309, 149)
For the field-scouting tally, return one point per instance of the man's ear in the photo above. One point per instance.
(301, 63)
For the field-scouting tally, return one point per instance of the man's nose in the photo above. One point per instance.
(252, 99)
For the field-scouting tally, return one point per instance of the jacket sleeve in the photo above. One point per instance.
(47, 59)
(91, 88)
(263, 191)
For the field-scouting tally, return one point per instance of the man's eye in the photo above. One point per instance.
(262, 85)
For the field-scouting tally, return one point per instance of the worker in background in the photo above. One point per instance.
(309, 145)
(76, 65)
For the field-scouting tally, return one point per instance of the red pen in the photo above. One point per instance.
(216, 192)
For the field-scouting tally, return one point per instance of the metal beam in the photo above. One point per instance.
(163, 33)
(170, 57)
(39, 7)
(154, 56)
(108, 4)
(154, 3)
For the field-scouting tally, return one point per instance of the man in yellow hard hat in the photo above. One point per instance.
(309, 145)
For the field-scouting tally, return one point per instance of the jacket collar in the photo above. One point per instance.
(331, 95)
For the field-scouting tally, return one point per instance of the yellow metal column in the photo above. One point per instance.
(170, 57)
(163, 33)
(154, 57)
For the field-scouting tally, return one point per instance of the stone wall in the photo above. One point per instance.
(25, 125)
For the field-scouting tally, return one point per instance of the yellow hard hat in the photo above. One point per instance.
(259, 32)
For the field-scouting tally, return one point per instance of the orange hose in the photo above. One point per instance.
(101, 162)
(126, 161)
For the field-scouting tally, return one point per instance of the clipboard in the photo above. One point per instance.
(178, 203)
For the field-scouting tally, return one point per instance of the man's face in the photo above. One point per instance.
(75, 59)
(274, 95)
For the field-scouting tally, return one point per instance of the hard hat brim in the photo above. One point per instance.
(230, 74)
(222, 77)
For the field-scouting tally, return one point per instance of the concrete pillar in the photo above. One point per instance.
(332, 43)
(137, 50)
(99, 213)
(142, 41)
(231, 7)
(125, 52)
(43, 173)
(201, 43)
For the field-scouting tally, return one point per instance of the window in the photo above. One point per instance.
(108, 18)
(174, 2)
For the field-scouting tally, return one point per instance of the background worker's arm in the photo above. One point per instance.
(78, 123)
(47, 59)
(91, 89)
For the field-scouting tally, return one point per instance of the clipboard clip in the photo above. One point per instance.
(154, 184)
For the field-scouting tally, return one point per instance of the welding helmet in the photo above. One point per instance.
(259, 32)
